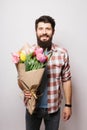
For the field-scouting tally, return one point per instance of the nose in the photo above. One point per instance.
(44, 31)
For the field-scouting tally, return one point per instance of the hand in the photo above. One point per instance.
(27, 96)
(67, 112)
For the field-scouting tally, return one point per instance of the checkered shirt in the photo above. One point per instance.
(58, 72)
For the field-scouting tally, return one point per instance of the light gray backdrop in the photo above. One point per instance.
(17, 19)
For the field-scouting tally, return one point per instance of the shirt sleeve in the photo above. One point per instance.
(66, 74)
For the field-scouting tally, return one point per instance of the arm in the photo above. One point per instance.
(67, 111)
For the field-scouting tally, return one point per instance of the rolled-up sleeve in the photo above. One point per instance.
(66, 73)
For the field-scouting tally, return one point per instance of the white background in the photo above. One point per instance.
(17, 19)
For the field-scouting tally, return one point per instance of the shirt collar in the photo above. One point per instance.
(54, 47)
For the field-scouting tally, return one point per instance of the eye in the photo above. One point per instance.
(40, 28)
(48, 28)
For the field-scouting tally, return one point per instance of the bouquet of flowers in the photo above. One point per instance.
(30, 63)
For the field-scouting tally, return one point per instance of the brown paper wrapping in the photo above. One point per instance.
(29, 80)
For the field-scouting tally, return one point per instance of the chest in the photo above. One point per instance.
(56, 63)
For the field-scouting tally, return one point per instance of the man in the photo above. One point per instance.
(57, 73)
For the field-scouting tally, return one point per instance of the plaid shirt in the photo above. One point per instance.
(58, 72)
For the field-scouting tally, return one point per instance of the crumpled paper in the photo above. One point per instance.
(30, 80)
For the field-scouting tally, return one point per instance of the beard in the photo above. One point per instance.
(44, 44)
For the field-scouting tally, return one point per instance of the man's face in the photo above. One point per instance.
(44, 33)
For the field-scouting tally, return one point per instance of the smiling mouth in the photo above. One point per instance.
(44, 38)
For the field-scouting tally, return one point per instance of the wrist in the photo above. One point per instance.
(68, 105)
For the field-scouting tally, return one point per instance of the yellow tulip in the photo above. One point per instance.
(22, 56)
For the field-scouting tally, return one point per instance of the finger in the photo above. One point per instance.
(27, 94)
(25, 101)
(66, 117)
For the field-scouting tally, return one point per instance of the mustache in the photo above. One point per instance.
(44, 35)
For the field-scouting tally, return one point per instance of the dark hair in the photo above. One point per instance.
(45, 19)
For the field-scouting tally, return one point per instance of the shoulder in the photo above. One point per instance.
(58, 48)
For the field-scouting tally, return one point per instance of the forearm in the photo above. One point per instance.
(67, 87)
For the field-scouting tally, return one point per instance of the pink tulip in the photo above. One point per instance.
(15, 57)
(41, 57)
(38, 50)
